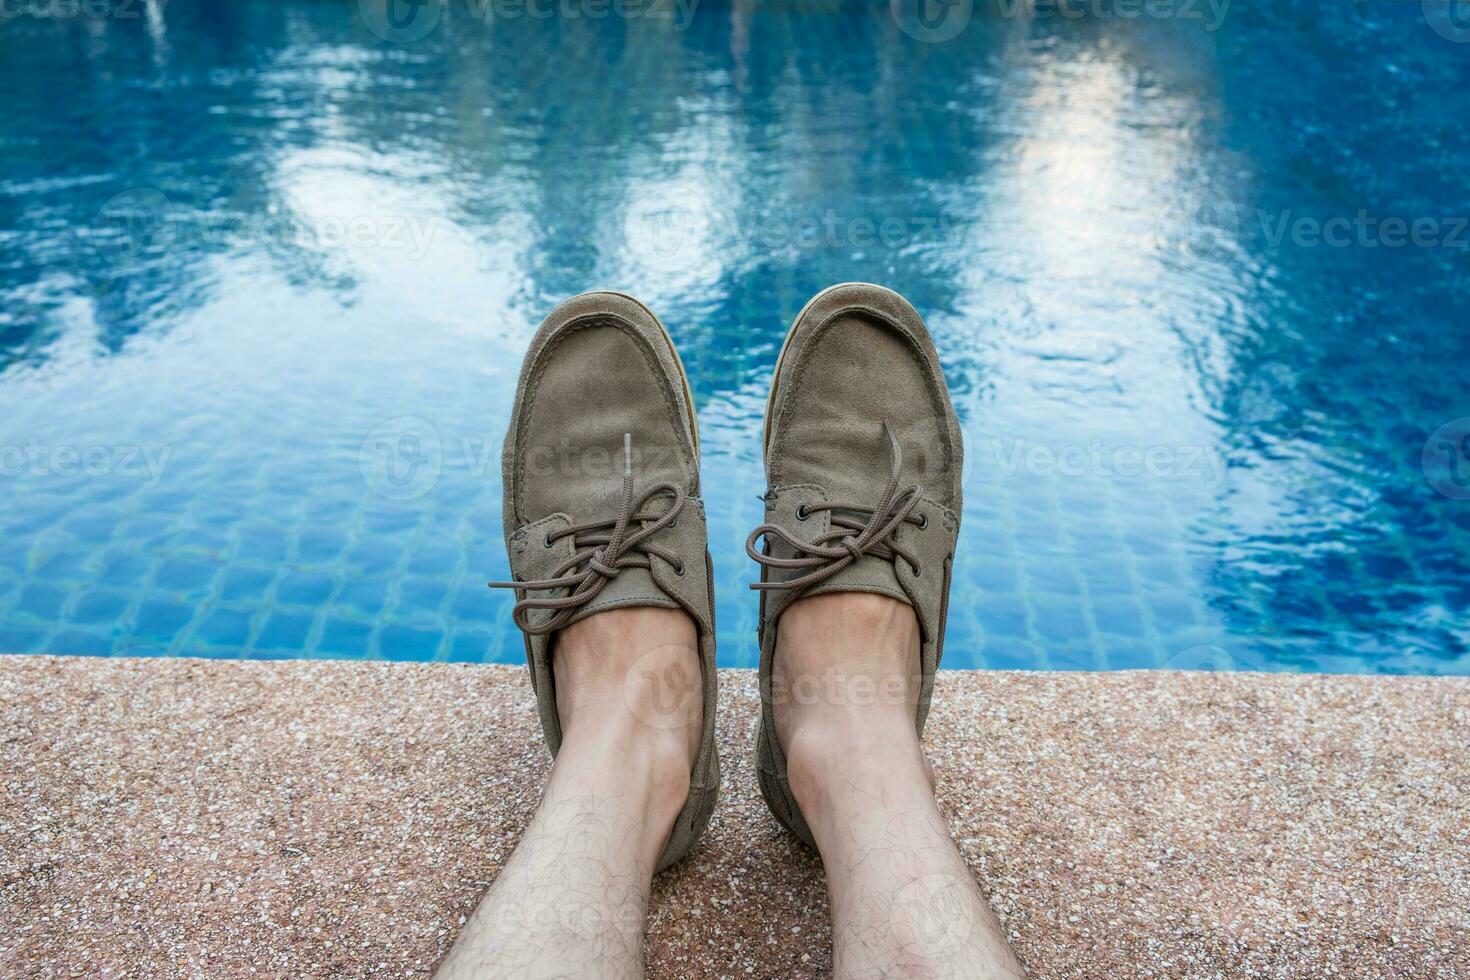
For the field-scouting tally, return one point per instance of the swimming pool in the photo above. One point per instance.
(1197, 276)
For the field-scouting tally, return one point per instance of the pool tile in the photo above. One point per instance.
(373, 555)
(1172, 612)
(389, 521)
(224, 627)
(80, 643)
(1008, 653)
(285, 630)
(1002, 616)
(468, 646)
(17, 638)
(187, 576)
(304, 588)
(320, 546)
(160, 620)
(422, 593)
(99, 608)
(1060, 623)
(67, 566)
(399, 642)
(246, 583)
(474, 603)
(125, 568)
(434, 559)
(344, 638)
(266, 544)
(1120, 616)
(363, 598)
(1056, 577)
(42, 601)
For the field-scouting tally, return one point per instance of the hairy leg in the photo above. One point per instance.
(903, 901)
(571, 900)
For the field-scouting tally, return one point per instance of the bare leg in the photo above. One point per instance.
(571, 900)
(903, 901)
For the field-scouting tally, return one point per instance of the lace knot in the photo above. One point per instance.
(601, 550)
(856, 531)
(597, 563)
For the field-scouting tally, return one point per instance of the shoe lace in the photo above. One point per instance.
(602, 549)
(855, 531)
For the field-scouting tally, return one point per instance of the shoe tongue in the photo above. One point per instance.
(630, 587)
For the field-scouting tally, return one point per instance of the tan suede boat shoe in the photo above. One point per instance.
(864, 467)
(602, 506)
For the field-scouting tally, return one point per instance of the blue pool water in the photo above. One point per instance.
(1197, 276)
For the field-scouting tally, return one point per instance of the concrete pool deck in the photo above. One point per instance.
(318, 818)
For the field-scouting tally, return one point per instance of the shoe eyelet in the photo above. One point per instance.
(923, 521)
(547, 539)
(679, 570)
(801, 512)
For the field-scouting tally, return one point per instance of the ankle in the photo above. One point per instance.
(646, 773)
(631, 679)
(635, 753)
(846, 676)
(849, 749)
